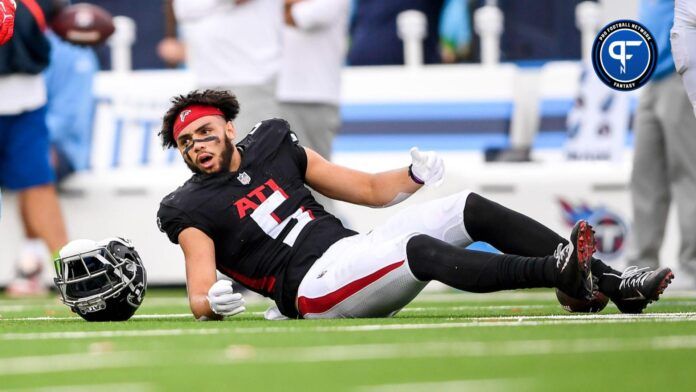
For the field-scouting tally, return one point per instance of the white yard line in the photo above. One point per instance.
(26, 307)
(475, 322)
(107, 387)
(136, 317)
(451, 296)
(475, 307)
(109, 334)
(341, 353)
(408, 310)
(456, 349)
(71, 362)
(455, 296)
(488, 385)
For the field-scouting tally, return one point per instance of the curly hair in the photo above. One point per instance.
(223, 100)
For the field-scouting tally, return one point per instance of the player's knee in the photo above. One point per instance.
(421, 251)
(475, 213)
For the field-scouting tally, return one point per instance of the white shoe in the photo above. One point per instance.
(29, 272)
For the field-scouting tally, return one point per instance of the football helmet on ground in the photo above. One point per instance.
(101, 281)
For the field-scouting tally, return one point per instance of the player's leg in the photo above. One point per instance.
(683, 40)
(681, 142)
(441, 218)
(512, 232)
(315, 125)
(465, 217)
(568, 269)
(507, 230)
(650, 188)
(27, 159)
(367, 275)
(359, 276)
(33, 178)
(42, 217)
(258, 103)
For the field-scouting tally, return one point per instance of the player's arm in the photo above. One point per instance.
(372, 189)
(199, 252)
(209, 299)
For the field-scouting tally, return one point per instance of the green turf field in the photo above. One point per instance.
(441, 342)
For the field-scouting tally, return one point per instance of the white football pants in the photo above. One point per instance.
(683, 39)
(367, 275)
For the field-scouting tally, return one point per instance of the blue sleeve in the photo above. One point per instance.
(69, 80)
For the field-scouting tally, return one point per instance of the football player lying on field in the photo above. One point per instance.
(247, 212)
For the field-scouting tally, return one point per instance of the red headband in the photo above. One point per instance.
(192, 113)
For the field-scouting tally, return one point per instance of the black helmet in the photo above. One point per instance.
(101, 281)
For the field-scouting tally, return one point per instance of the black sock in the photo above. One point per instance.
(608, 279)
(478, 272)
(508, 230)
(512, 232)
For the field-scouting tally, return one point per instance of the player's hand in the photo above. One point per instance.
(427, 167)
(223, 300)
(7, 20)
(172, 51)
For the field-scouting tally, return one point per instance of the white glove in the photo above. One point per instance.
(427, 167)
(223, 300)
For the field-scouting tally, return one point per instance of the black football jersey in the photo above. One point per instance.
(267, 228)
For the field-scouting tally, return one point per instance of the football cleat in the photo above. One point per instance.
(574, 276)
(101, 281)
(596, 304)
(641, 286)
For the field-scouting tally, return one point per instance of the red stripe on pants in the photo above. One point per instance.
(322, 304)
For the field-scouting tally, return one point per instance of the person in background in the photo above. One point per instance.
(373, 31)
(664, 165)
(455, 31)
(170, 49)
(683, 39)
(309, 83)
(69, 79)
(235, 45)
(24, 143)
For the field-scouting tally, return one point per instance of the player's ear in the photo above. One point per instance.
(230, 130)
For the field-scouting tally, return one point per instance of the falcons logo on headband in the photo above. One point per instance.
(182, 115)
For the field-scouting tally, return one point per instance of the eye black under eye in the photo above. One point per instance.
(185, 142)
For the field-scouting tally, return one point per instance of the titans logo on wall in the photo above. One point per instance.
(611, 231)
(624, 55)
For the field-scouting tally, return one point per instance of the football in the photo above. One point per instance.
(83, 24)
(574, 305)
